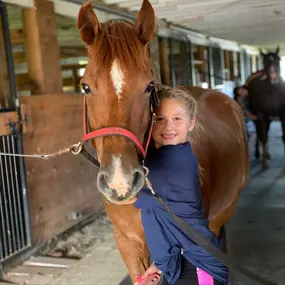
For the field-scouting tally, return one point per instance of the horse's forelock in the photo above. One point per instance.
(119, 41)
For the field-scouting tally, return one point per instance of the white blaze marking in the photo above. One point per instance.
(117, 78)
(119, 182)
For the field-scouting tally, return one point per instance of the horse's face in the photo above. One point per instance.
(115, 82)
(271, 62)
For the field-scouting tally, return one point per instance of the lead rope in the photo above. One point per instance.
(204, 243)
(74, 149)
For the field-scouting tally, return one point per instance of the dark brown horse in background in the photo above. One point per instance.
(266, 100)
(116, 81)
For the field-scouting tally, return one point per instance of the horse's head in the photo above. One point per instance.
(271, 62)
(116, 82)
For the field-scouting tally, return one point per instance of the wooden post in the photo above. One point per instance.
(191, 64)
(5, 92)
(210, 68)
(184, 70)
(236, 66)
(164, 61)
(154, 53)
(76, 80)
(201, 57)
(254, 63)
(42, 48)
(232, 65)
(227, 64)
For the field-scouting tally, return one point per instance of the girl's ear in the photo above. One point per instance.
(192, 124)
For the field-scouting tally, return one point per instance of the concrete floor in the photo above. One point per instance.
(257, 230)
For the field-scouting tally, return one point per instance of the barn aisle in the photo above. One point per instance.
(257, 230)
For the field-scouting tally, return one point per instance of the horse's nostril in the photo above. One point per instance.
(136, 177)
(102, 183)
(138, 180)
(121, 198)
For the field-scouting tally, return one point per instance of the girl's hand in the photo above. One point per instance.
(150, 270)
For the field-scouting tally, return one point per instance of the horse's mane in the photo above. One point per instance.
(118, 40)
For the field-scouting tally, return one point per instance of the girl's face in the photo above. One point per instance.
(242, 92)
(172, 123)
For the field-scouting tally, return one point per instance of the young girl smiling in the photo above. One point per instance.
(173, 172)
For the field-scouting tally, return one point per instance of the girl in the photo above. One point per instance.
(241, 97)
(174, 175)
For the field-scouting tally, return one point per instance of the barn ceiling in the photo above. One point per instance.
(252, 22)
(258, 23)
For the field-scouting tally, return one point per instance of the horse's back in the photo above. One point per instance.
(220, 143)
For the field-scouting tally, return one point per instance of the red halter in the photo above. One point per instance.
(118, 131)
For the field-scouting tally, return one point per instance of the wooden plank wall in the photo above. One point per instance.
(62, 185)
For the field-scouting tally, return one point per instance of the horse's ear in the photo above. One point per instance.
(145, 22)
(260, 50)
(87, 23)
(277, 50)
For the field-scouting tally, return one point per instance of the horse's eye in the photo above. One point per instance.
(86, 89)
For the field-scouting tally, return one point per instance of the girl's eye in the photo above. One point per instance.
(86, 89)
(158, 119)
(177, 119)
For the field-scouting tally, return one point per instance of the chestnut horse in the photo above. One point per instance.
(116, 81)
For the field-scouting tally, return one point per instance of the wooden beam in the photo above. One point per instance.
(72, 66)
(69, 81)
(20, 56)
(5, 118)
(17, 36)
(73, 51)
(42, 48)
(25, 83)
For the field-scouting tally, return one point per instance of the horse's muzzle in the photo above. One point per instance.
(120, 189)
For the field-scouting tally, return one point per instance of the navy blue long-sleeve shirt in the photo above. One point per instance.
(174, 176)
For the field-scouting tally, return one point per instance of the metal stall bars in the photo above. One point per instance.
(15, 233)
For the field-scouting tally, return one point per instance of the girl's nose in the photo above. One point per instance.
(168, 124)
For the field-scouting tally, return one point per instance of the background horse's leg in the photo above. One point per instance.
(262, 128)
(130, 237)
(257, 154)
(282, 119)
(265, 122)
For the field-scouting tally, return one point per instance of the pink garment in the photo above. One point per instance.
(204, 278)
